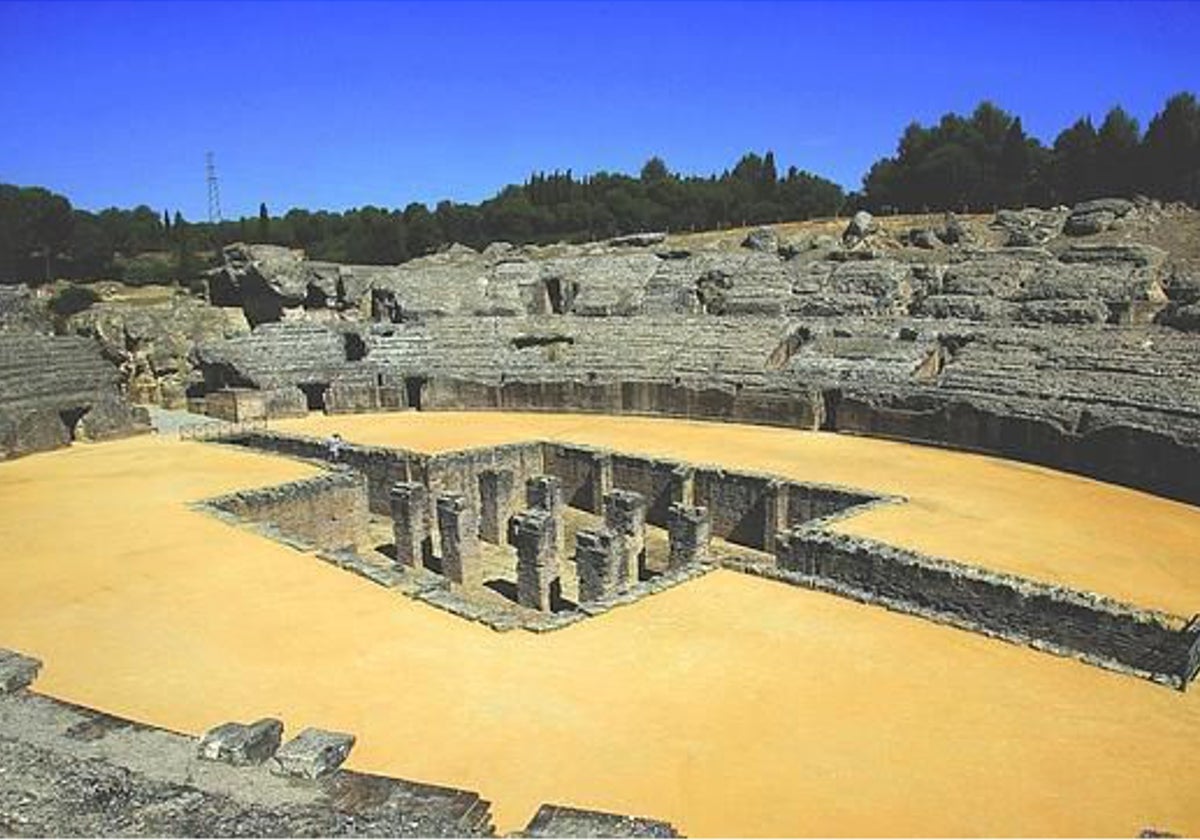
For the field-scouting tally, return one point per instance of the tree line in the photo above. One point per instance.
(986, 160)
(965, 163)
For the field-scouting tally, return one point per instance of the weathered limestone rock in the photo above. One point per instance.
(495, 503)
(625, 516)
(1028, 227)
(861, 225)
(312, 754)
(637, 240)
(241, 744)
(954, 231)
(410, 524)
(596, 562)
(534, 533)
(1095, 216)
(923, 238)
(762, 239)
(17, 671)
(690, 531)
(459, 529)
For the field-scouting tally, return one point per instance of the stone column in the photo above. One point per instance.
(596, 564)
(533, 533)
(775, 505)
(690, 530)
(544, 492)
(683, 485)
(625, 516)
(410, 524)
(495, 504)
(602, 479)
(459, 529)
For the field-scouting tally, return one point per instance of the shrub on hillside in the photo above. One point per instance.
(71, 300)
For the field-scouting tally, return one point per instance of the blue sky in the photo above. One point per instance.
(334, 105)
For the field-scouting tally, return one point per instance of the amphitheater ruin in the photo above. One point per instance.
(944, 532)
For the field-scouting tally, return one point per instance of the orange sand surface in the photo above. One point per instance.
(730, 705)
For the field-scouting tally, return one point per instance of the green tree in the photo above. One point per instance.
(264, 223)
(1014, 165)
(1075, 162)
(1171, 151)
(1117, 145)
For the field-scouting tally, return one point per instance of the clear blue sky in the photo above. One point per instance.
(336, 105)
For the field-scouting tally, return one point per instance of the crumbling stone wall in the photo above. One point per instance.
(585, 474)
(1153, 645)
(382, 467)
(54, 390)
(327, 512)
(459, 472)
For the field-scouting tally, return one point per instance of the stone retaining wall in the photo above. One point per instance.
(1098, 630)
(326, 512)
(382, 467)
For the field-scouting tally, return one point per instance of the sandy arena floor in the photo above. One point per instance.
(731, 705)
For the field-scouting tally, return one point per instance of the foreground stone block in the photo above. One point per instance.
(17, 671)
(625, 516)
(562, 821)
(459, 528)
(312, 754)
(690, 531)
(241, 744)
(596, 560)
(544, 492)
(410, 524)
(534, 533)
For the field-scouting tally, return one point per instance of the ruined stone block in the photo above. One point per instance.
(495, 504)
(775, 504)
(602, 478)
(534, 533)
(683, 484)
(312, 754)
(625, 516)
(459, 529)
(241, 744)
(690, 531)
(596, 561)
(17, 671)
(410, 524)
(544, 492)
(563, 821)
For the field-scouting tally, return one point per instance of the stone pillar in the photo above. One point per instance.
(459, 529)
(533, 533)
(625, 516)
(690, 530)
(410, 524)
(775, 505)
(544, 492)
(596, 560)
(602, 479)
(495, 504)
(683, 485)
(792, 555)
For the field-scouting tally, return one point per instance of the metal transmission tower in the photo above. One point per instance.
(214, 189)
